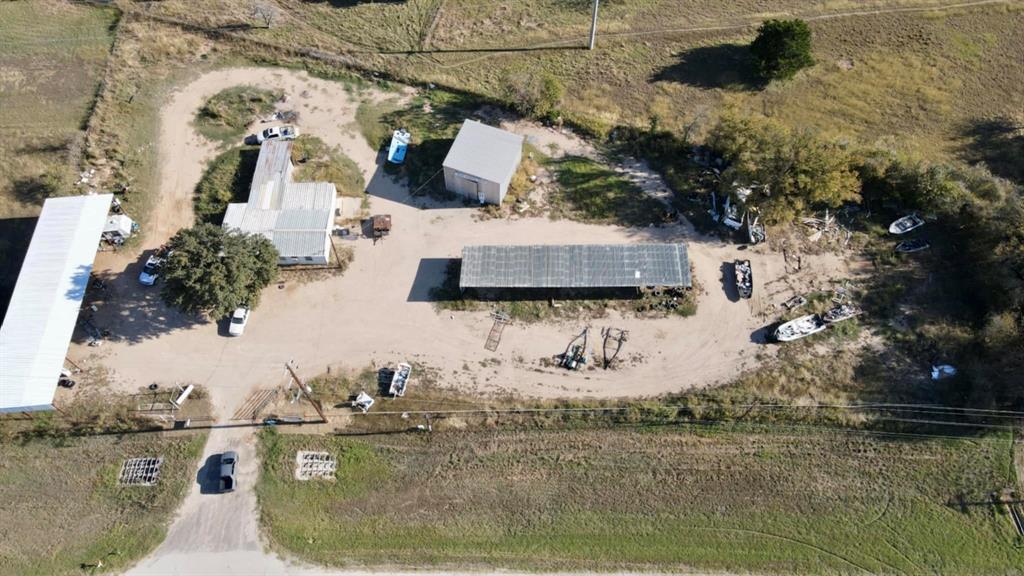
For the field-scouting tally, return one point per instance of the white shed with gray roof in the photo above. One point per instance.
(481, 162)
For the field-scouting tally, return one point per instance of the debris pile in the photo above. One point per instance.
(829, 228)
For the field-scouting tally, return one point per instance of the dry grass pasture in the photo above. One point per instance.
(63, 510)
(51, 59)
(763, 499)
(903, 72)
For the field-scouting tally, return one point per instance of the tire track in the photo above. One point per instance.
(791, 540)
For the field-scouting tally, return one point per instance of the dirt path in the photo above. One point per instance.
(379, 311)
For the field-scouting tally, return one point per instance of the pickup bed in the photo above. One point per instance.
(277, 133)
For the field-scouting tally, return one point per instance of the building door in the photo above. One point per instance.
(473, 190)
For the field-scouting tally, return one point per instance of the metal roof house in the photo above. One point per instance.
(481, 162)
(581, 266)
(296, 216)
(44, 307)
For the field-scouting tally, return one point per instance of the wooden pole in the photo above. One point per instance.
(302, 387)
(593, 26)
(72, 362)
(334, 250)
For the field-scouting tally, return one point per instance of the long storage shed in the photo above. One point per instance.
(575, 266)
(44, 307)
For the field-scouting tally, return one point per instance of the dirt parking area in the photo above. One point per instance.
(380, 310)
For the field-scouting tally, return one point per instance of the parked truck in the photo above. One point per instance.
(274, 133)
(228, 460)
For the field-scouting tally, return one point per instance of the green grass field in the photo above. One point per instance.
(62, 507)
(745, 499)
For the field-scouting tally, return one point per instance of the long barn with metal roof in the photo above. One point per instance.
(45, 304)
(586, 266)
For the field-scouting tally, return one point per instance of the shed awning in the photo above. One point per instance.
(575, 266)
(44, 307)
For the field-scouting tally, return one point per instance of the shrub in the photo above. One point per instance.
(782, 48)
(226, 180)
(535, 96)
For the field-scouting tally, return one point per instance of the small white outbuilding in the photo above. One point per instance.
(481, 162)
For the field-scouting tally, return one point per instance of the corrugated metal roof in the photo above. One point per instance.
(272, 174)
(304, 220)
(256, 220)
(44, 307)
(296, 216)
(484, 151)
(575, 266)
(233, 215)
(300, 243)
(309, 196)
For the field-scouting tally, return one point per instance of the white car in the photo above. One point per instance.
(277, 133)
(238, 321)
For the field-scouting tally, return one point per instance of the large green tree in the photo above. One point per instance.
(782, 48)
(212, 272)
(795, 171)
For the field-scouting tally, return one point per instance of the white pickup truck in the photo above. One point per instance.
(277, 133)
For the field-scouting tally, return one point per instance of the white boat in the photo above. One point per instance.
(840, 313)
(799, 328)
(400, 379)
(744, 278)
(906, 224)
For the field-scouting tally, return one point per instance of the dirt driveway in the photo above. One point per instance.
(378, 311)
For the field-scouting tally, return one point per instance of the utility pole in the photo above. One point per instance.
(593, 26)
(305, 391)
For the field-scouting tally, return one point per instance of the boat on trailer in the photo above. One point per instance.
(400, 379)
(744, 278)
(840, 313)
(800, 328)
(399, 144)
(911, 246)
(906, 224)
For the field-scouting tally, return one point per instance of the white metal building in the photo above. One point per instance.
(296, 216)
(44, 307)
(481, 162)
